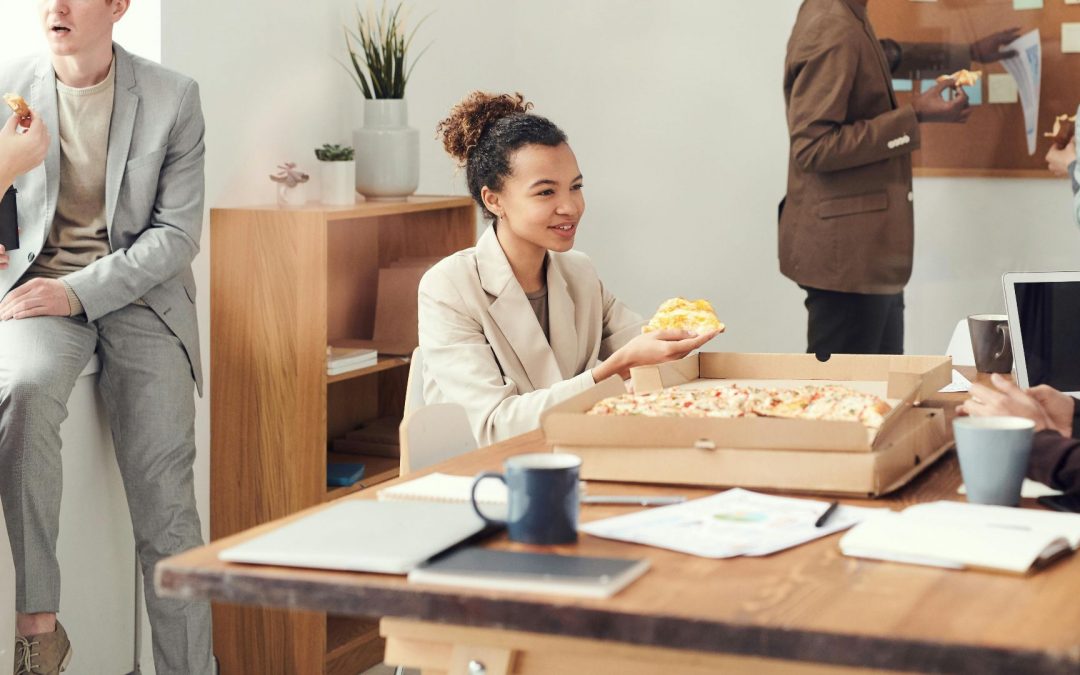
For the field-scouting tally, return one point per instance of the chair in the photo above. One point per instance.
(960, 345)
(431, 433)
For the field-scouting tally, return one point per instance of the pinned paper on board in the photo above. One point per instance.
(1026, 70)
(1070, 37)
(1027, 4)
(1001, 88)
(904, 85)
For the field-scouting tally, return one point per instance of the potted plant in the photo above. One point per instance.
(291, 188)
(338, 173)
(387, 149)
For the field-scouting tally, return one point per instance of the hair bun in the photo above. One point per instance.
(461, 130)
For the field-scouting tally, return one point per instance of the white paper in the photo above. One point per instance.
(1070, 38)
(728, 524)
(1026, 69)
(959, 384)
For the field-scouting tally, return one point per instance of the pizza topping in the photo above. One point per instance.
(812, 402)
(681, 314)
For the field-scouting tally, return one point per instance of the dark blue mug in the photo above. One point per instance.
(542, 489)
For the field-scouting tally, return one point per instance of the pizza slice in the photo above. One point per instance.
(1062, 133)
(18, 106)
(682, 314)
(963, 78)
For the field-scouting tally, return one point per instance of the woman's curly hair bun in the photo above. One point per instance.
(462, 129)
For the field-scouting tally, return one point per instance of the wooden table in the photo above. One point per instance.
(805, 610)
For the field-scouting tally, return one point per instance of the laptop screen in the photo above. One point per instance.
(1048, 314)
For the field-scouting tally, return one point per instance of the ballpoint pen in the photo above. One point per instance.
(824, 517)
(634, 500)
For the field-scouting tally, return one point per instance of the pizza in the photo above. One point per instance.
(682, 314)
(963, 78)
(809, 402)
(18, 105)
(1064, 128)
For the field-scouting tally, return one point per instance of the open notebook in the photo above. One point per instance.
(441, 487)
(960, 535)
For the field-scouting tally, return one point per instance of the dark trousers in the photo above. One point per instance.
(854, 323)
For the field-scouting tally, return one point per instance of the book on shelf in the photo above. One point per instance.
(377, 437)
(343, 474)
(959, 535)
(344, 359)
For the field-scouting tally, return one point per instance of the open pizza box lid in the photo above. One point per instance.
(903, 380)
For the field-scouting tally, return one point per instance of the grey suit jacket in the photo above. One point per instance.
(484, 349)
(154, 194)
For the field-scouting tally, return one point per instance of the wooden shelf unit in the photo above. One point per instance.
(284, 284)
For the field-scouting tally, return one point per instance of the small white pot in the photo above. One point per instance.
(338, 183)
(291, 196)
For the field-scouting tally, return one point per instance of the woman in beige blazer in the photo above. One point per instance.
(521, 322)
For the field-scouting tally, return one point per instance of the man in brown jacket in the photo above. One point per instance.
(846, 226)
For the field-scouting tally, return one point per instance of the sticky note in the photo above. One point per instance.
(927, 85)
(1001, 88)
(1027, 4)
(974, 94)
(1070, 38)
(906, 85)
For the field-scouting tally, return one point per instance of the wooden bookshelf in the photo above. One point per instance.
(285, 283)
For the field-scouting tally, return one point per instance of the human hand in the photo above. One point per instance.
(37, 297)
(1005, 398)
(650, 349)
(988, 49)
(4, 258)
(1059, 159)
(1059, 408)
(931, 107)
(22, 151)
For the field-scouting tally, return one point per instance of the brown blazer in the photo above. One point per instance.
(847, 223)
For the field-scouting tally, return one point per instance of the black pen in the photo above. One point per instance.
(824, 517)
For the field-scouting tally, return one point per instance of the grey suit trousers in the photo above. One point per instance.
(148, 391)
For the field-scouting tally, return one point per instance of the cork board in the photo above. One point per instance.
(992, 142)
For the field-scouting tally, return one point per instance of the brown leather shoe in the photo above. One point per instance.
(43, 654)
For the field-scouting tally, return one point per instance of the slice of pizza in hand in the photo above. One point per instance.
(1064, 128)
(682, 314)
(18, 106)
(963, 78)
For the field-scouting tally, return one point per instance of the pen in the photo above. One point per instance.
(636, 500)
(824, 517)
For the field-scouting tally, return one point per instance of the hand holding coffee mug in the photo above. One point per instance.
(990, 342)
(543, 493)
(993, 454)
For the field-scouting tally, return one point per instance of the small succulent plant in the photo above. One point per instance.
(334, 153)
(289, 175)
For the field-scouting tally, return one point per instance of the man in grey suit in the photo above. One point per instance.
(109, 226)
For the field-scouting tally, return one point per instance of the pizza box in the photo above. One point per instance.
(795, 455)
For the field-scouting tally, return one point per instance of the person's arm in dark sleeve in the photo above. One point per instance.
(1055, 461)
(822, 137)
(911, 60)
(1076, 418)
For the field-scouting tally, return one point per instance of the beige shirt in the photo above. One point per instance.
(79, 235)
(538, 300)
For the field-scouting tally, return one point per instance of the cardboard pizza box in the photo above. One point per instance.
(766, 453)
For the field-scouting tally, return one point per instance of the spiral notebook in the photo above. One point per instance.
(441, 487)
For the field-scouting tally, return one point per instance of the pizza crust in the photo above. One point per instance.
(18, 105)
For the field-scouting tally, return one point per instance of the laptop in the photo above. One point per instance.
(362, 535)
(1044, 325)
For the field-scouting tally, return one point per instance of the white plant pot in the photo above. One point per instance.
(291, 196)
(387, 152)
(338, 183)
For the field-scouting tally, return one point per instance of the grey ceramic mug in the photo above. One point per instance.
(990, 342)
(543, 497)
(993, 454)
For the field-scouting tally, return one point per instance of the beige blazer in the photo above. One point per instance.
(482, 346)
